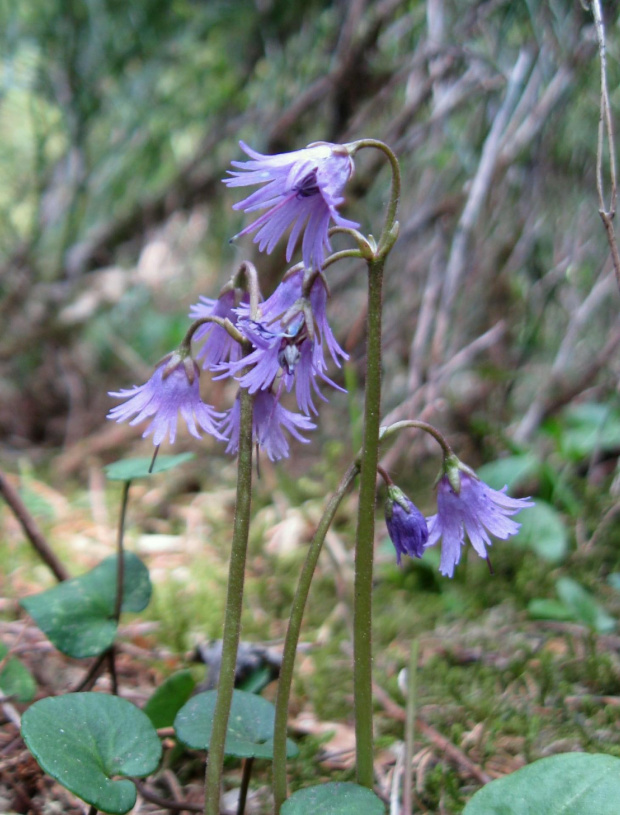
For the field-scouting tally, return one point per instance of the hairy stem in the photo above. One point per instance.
(120, 554)
(292, 637)
(364, 553)
(232, 621)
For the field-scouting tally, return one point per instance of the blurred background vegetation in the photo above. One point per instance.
(117, 123)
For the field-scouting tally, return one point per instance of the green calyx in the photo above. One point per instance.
(396, 495)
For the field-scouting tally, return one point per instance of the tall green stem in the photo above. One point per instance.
(292, 637)
(232, 622)
(364, 557)
(120, 554)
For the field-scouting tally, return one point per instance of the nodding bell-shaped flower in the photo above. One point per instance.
(269, 420)
(405, 524)
(174, 388)
(302, 190)
(468, 506)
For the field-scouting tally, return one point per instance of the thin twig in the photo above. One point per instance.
(32, 531)
(605, 130)
(245, 784)
(154, 798)
(477, 195)
(446, 746)
(91, 675)
(410, 727)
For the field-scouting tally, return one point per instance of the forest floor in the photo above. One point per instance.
(496, 689)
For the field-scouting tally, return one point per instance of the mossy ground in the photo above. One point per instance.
(502, 688)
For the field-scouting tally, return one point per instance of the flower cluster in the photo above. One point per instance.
(466, 506)
(270, 347)
(281, 345)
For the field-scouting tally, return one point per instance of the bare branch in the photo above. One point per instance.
(477, 194)
(605, 131)
(31, 530)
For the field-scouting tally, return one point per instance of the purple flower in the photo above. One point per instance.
(288, 343)
(300, 189)
(289, 294)
(475, 510)
(219, 346)
(405, 524)
(173, 387)
(269, 421)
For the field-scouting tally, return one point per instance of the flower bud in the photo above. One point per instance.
(405, 524)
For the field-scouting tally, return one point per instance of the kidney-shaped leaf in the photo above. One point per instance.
(78, 614)
(169, 698)
(583, 605)
(335, 798)
(129, 468)
(250, 725)
(509, 472)
(568, 784)
(544, 531)
(86, 740)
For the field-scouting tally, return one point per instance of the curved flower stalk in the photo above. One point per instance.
(219, 346)
(302, 190)
(174, 388)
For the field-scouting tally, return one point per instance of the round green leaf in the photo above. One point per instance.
(169, 698)
(544, 531)
(335, 798)
(15, 679)
(129, 468)
(583, 605)
(250, 725)
(614, 580)
(78, 614)
(85, 740)
(587, 428)
(568, 784)
(509, 471)
(543, 609)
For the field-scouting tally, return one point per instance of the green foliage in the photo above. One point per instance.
(169, 698)
(130, 468)
(585, 429)
(336, 798)
(87, 740)
(575, 604)
(510, 471)
(544, 531)
(78, 614)
(250, 726)
(15, 679)
(570, 784)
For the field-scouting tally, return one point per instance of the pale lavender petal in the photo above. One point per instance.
(300, 190)
(167, 393)
(476, 511)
